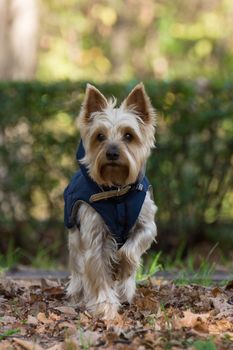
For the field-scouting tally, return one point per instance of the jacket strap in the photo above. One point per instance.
(109, 194)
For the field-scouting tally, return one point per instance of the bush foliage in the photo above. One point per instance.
(112, 40)
(190, 169)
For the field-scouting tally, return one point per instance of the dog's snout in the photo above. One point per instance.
(112, 152)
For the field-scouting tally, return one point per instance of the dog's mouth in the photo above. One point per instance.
(113, 164)
(114, 172)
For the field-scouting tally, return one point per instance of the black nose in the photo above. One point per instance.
(112, 152)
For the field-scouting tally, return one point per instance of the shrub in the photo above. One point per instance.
(190, 169)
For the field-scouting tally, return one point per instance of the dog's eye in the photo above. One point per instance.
(128, 137)
(101, 137)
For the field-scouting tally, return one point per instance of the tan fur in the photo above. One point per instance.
(103, 277)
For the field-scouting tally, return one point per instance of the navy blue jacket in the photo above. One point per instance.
(119, 213)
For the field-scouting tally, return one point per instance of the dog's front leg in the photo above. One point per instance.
(99, 251)
(129, 260)
(140, 239)
(75, 287)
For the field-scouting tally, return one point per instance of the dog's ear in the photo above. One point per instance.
(94, 101)
(139, 101)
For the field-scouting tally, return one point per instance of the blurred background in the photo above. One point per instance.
(182, 50)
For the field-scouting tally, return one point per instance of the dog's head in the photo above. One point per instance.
(117, 141)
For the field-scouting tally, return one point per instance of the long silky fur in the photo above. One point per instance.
(102, 277)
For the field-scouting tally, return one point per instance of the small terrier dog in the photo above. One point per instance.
(109, 207)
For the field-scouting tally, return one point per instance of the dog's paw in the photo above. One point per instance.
(110, 311)
(105, 310)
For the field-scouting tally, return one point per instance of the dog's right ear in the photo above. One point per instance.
(94, 101)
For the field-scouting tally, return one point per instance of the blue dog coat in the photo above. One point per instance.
(119, 212)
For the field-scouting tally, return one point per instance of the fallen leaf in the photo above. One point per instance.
(147, 303)
(222, 307)
(121, 321)
(8, 319)
(190, 320)
(87, 337)
(145, 324)
(58, 346)
(84, 318)
(220, 326)
(52, 288)
(2, 300)
(72, 344)
(41, 329)
(32, 320)
(66, 310)
(28, 345)
(54, 317)
(41, 317)
(70, 327)
(216, 291)
(5, 345)
(47, 283)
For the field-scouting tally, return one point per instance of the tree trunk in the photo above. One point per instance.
(18, 39)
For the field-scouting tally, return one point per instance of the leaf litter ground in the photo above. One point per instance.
(35, 315)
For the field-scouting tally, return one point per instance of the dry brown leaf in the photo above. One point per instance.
(190, 320)
(54, 317)
(147, 303)
(28, 345)
(72, 343)
(41, 329)
(52, 288)
(32, 320)
(88, 337)
(8, 319)
(71, 328)
(120, 321)
(228, 334)
(84, 318)
(5, 345)
(41, 317)
(57, 346)
(66, 310)
(141, 325)
(2, 300)
(220, 326)
(223, 308)
(48, 283)
(201, 327)
(216, 291)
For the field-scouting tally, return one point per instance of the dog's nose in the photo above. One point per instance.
(112, 152)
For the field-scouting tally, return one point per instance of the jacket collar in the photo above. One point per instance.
(106, 192)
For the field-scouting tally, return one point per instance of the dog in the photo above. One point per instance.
(109, 207)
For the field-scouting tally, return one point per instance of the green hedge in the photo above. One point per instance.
(191, 168)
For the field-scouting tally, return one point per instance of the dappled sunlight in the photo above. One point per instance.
(144, 39)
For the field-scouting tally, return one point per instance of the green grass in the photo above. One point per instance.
(42, 260)
(204, 345)
(202, 275)
(187, 270)
(11, 258)
(14, 256)
(144, 273)
(9, 333)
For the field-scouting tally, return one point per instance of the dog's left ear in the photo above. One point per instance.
(139, 101)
